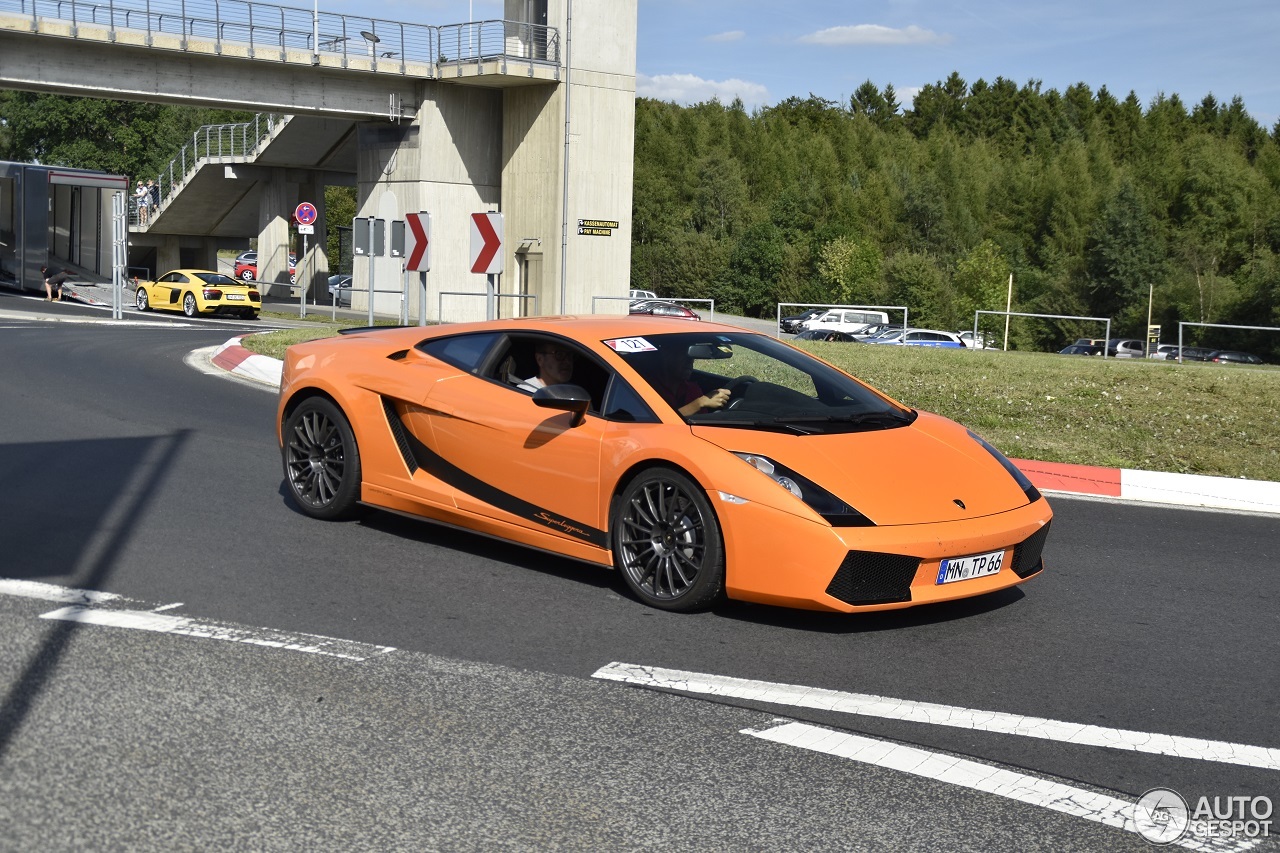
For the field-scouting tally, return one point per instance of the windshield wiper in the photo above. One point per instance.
(885, 418)
(771, 425)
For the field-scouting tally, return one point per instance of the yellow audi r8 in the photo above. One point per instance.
(197, 292)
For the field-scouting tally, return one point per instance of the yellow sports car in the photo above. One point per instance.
(195, 292)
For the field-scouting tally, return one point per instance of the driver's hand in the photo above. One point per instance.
(716, 399)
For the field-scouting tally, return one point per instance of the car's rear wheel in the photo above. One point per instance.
(667, 542)
(140, 300)
(321, 460)
(189, 306)
(247, 275)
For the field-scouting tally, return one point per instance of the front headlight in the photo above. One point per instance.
(834, 511)
(1028, 488)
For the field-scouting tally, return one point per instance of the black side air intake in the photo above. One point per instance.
(398, 432)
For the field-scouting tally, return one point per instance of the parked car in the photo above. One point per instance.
(783, 506)
(1081, 349)
(826, 335)
(978, 341)
(340, 290)
(1196, 353)
(846, 320)
(643, 294)
(920, 338)
(195, 292)
(1126, 348)
(795, 323)
(661, 308)
(1226, 356)
(247, 266)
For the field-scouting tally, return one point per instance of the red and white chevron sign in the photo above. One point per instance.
(417, 250)
(486, 243)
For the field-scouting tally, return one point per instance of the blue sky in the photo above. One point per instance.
(764, 52)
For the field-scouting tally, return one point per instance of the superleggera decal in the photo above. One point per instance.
(420, 455)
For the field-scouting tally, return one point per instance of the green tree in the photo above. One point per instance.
(981, 283)
(852, 269)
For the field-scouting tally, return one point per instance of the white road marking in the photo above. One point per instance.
(1033, 790)
(885, 707)
(158, 621)
(51, 592)
(149, 620)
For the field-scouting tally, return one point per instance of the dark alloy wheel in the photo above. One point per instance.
(189, 306)
(666, 542)
(321, 460)
(140, 299)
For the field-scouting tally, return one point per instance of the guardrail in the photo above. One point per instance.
(270, 31)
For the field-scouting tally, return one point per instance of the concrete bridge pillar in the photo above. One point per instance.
(168, 255)
(274, 210)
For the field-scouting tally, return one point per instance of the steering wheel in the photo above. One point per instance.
(738, 390)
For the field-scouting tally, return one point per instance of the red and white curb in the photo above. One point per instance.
(234, 358)
(1126, 484)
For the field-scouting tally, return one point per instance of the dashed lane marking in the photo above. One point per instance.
(885, 707)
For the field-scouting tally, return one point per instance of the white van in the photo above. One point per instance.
(851, 320)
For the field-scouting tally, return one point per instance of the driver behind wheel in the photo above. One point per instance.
(678, 389)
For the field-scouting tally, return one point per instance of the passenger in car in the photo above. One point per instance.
(555, 367)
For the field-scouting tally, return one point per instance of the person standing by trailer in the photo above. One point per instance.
(53, 279)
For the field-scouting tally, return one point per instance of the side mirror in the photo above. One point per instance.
(564, 398)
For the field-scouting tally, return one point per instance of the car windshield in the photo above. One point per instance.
(771, 385)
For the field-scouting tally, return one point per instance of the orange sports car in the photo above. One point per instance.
(700, 463)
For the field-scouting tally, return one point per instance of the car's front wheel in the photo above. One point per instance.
(667, 542)
(189, 306)
(321, 460)
(140, 300)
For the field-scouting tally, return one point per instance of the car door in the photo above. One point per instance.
(513, 460)
(169, 290)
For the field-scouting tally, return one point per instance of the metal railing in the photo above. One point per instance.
(213, 143)
(269, 31)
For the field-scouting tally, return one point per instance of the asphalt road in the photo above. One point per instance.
(129, 471)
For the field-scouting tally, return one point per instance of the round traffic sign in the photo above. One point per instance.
(305, 213)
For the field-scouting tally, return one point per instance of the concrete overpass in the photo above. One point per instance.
(532, 116)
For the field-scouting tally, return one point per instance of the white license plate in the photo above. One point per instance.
(967, 568)
(235, 297)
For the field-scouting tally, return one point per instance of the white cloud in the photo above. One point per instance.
(690, 89)
(730, 35)
(874, 34)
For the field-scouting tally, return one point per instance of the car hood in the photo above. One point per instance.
(930, 471)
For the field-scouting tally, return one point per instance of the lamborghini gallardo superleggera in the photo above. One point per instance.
(700, 463)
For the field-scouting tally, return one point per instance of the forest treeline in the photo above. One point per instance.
(1096, 206)
(1092, 203)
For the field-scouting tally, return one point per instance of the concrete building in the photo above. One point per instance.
(532, 116)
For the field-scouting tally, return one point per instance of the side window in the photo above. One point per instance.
(466, 352)
(622, 403)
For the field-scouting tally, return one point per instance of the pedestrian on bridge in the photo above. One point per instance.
(142, 200)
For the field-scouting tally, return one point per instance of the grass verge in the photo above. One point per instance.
(1189, 418)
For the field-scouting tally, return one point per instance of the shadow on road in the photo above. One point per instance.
(77, 521)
